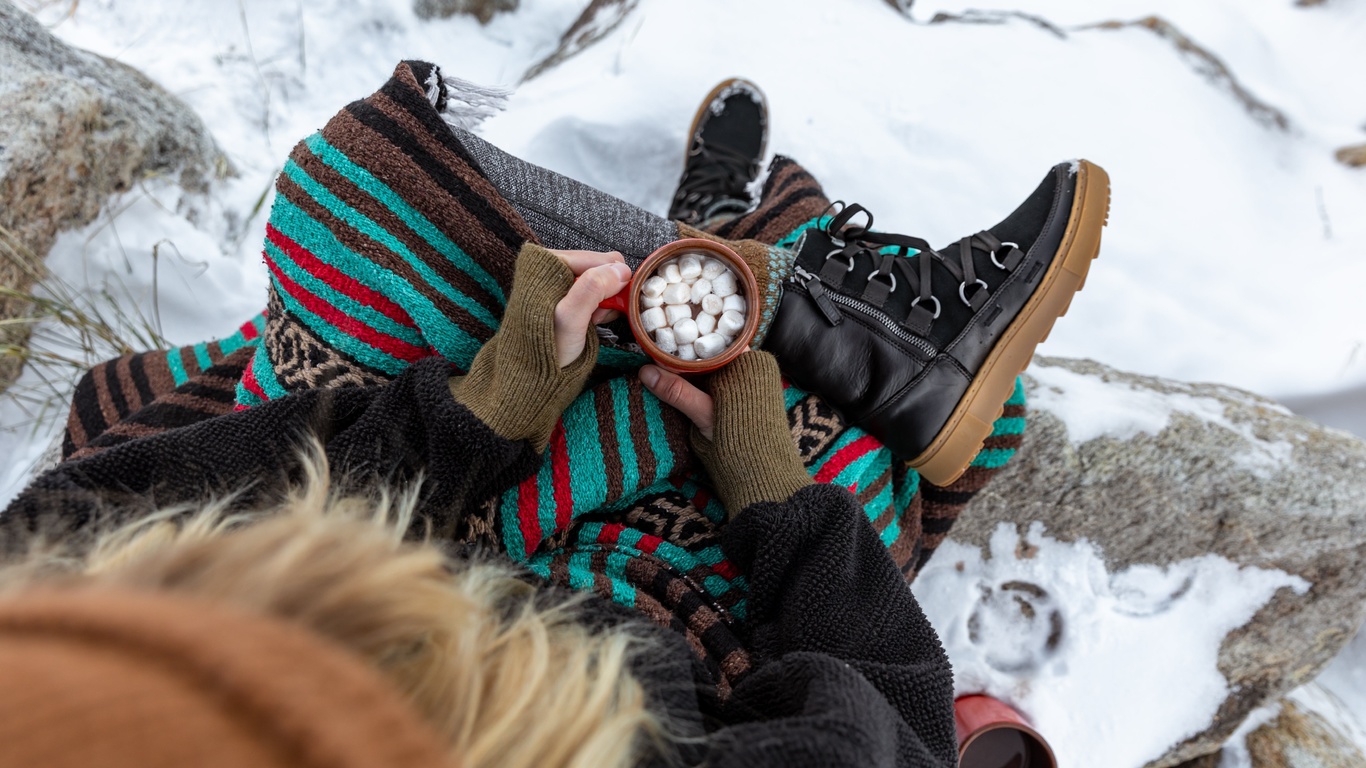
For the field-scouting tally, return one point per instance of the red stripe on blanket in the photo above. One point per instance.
(726, 570)
(385, 343)
(559, 477)
(610, 533)
(249, 380)
(337, 279)
(528, 516)
(248, 331)
(846, 456)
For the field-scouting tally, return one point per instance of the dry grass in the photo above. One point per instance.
(69, 329)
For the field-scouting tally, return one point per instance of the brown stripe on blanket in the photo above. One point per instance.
(611, 449)
(385, 161)
(640, 432)
(485, 220)
(791, 197)
(132, 396)
(405, 91)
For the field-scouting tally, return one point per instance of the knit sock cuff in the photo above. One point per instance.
(515, 384)
(751, 456)
(771, 266)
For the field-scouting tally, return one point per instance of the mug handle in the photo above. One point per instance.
(620, 302)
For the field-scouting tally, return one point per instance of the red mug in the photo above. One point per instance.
(628, 303)
(991, 734)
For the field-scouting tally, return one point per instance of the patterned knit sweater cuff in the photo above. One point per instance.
(751, 456)
(515, 384)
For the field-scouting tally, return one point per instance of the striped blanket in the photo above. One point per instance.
(387, 244)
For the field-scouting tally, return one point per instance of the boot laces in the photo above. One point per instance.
(715, 172)
(972, 290)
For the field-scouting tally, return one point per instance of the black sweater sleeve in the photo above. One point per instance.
(848, 670)
(394, 433)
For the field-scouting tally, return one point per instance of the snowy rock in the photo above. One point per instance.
(483, 10)
(1301, 738)
(74, 129)
(1153, 472)
(1353, 156)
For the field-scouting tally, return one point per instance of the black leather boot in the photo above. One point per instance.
(920, 348)
(726, 143)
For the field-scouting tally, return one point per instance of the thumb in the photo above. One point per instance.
(575, 311)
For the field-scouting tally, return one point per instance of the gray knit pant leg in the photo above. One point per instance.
(567, 214)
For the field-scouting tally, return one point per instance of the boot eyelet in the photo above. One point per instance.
(962, 290)
(916, 301)
(847, 267)
(997, 261)
(875, 274)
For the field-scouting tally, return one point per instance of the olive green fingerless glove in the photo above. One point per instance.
(751, 456)
(515, 384)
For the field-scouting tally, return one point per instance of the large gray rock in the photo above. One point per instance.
(1190, 469)
(74, 129)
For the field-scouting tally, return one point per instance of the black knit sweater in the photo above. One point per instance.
(847, 671)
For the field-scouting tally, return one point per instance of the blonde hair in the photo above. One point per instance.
(509, 681)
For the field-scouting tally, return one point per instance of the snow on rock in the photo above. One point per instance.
(1310, 728)
(1187, 493)
(1112, 668)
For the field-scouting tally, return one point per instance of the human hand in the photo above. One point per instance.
(597, 276)
(741, 433)
(677, 391)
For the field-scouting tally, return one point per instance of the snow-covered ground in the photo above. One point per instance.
(1236, 249)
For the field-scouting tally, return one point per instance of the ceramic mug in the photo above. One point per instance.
(991, 734)
(628, 302)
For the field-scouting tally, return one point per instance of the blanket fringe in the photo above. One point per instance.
(464, 104)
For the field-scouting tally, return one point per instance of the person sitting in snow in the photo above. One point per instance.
(433, 323)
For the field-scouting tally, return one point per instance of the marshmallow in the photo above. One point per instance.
(689, 266)
(677, 293)
(710, 345)
(654, 286)
(712, 268)
(724, 285)
(713, 304)
(675, 312)
(671, 273)
(734, 302)
(730, 324)
(652, 318)
(686, 352)
(666, 340)
(705, 324)
(685, 331)
(700, 290)
(651, 301)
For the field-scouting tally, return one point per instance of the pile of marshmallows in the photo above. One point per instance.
(692, 306)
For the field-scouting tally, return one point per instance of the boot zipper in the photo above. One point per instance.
(823, 297)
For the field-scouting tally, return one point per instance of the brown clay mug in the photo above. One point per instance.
(628, 302)
(991, 734)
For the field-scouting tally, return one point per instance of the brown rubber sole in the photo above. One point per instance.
(948, 457)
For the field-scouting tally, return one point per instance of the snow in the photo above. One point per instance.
(1234, 253)
(1090, 407)
(1093, 657)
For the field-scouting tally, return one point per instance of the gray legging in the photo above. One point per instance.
(567, 214)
